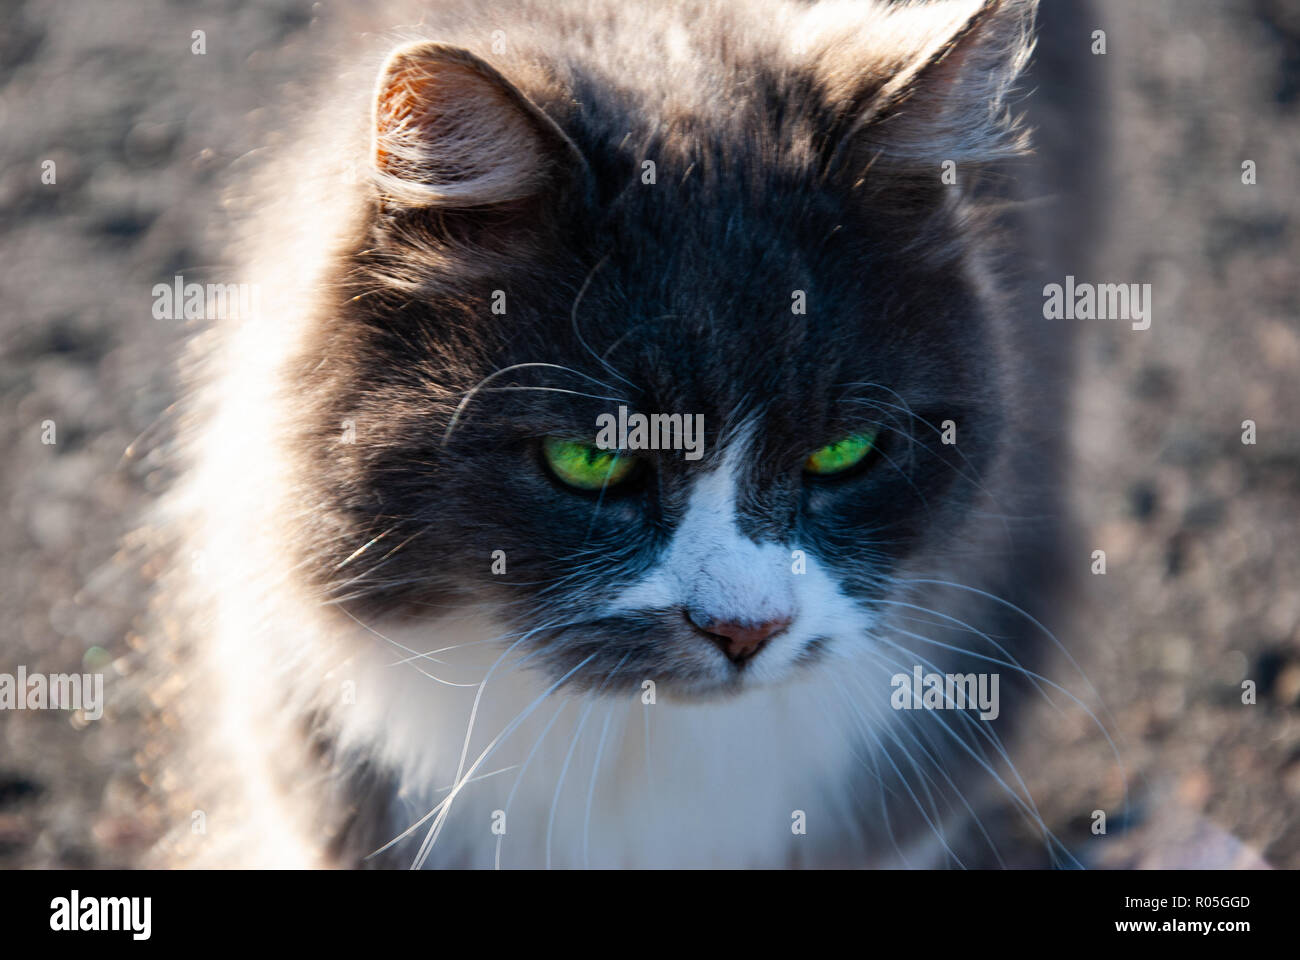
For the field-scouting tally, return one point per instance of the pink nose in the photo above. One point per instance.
(740, 641)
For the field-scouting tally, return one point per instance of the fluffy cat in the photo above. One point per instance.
(421, 635)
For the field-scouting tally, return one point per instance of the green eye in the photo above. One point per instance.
(840, 455)
(585, 466)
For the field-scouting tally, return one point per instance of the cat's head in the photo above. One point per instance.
(750, 226)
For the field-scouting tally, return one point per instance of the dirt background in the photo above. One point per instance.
(1202, 588)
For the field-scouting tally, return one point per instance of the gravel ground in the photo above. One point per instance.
(1199, 529)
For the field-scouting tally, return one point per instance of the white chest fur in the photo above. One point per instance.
(571, 781)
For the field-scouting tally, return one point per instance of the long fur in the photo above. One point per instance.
(355, 681)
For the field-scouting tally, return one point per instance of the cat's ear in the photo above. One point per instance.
(451, 132)
(938, 85)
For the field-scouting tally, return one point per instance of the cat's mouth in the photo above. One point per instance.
(677, 654)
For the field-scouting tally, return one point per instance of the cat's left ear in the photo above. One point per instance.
(452, 133)
(925, 83)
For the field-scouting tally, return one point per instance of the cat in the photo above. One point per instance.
(430, 622)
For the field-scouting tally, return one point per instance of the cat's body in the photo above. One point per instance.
(406, 626)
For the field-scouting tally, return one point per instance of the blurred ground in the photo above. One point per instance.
(1202, 588)
(1203, 562)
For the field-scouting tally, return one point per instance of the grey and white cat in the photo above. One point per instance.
(435, 624)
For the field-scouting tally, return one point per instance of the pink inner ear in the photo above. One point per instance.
(408, 97)
(451, 129)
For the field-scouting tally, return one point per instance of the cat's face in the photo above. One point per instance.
(826, 337)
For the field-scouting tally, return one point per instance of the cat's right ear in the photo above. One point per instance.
(452, 133)
(911, 85)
